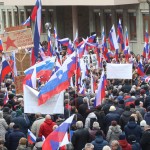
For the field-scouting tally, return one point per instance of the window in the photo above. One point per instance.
(43, 20)
(4, 18)
(146, 24)
(132, 25)
(16, 18)
(97, 23)
(108, 23)
(22, 17)
(10, 18)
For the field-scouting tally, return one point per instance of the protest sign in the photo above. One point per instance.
(86, 59)
(19, 84)
(52, 106)
(22, 61)
(17, 40)
(119, 71)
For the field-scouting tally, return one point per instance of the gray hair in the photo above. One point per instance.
(89, 145)
(79, 124)
(106, 148)
(11, 125)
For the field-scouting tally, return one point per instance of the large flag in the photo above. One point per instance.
(120, 35)
(6, 69)
(53, 141)
(113, 39)
(37, 32)
(101, 90)
(27, 22)
(64, 42)
(146, 45)
(91, 38)
(59, 81)
(81, 49)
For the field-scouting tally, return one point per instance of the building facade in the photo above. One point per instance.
(69, 16)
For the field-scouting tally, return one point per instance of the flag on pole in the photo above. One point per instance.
(101, 90)
(120, 35)
(6, 69)
(1, 46)
(27, 22)
(37, 31)
(140, 69)
(113, 39)
(146, 45)
(31, 137)
(59, 81)
(54, 140)
(91, 38)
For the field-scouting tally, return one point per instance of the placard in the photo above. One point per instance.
(22, 61)
(19, 84)
(119, 71)
(17, 40)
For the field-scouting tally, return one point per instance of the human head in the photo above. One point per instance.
(11, 125)
(47, 117)
(106, 148)
(16, 127)
(112, 108)
(114, 145)
(143, 123)
(132, 139)
(96, 125)
(137, 102)
(23, 141)
(79, 124)
(89, 146)
(1, 142)
(38, 115)
(99, 133)
(114, 123)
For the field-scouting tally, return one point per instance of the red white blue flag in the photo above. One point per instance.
(27, 22)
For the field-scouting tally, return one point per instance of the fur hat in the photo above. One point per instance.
(112, 108)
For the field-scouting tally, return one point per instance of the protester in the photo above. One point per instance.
(115, 145)
(22, 144)
(88, 146)
(47, 127)
(2, 147)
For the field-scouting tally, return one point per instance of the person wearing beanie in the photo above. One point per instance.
(132, 128)
(111, 116)
(114, 132)
(142, 125)
(123, 142)
(147, 116)
(139, 108)
(135, 145)
(99, 142)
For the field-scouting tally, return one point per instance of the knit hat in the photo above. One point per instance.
(96, 125)
(143, 123)
(112, 108)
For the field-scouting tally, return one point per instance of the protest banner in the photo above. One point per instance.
(52, 106)
(17, 40)
(22, 61)
(119, 71)
(19, 84)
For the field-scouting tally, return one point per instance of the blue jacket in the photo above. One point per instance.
(13, 139)
(99, 143)
(132, 128)
(147, 118)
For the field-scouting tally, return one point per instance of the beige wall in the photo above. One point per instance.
(70, 2)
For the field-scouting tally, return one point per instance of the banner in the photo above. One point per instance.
(53, 106)
(19, 39)
(18, 84)
(119, 71)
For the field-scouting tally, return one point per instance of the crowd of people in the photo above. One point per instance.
(121, 122)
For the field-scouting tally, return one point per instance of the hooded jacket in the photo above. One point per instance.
(113, 133)
(125, 145)
(99, 143)
(133, 129)
(46, 128)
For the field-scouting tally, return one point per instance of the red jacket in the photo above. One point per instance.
(125, 145)
(46, 128)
